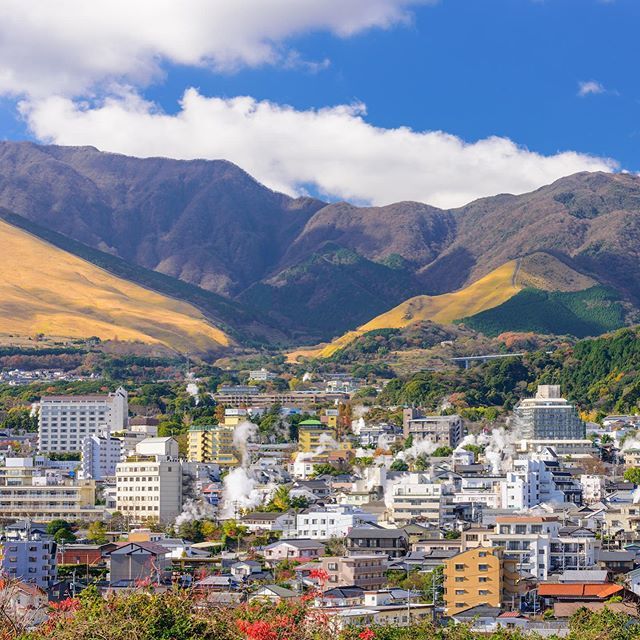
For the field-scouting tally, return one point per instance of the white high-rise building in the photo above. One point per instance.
(100, 455)
(149, 483)
(65, 421)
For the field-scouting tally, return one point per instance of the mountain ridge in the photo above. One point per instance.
(300, 269)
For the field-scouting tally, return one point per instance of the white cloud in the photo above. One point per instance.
(590, 87)
(334, 149)
(69, 46)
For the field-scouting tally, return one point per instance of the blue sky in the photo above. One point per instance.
(471, 68)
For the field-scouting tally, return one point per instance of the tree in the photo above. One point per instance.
(55, 525)
(191, 530)
(97, 532)
(325, 469)
(210, 530)
(442, 452)
(62, 536)
(281, 499)
(20, 418)
(399, 465)
(633, 475)
(421, 463)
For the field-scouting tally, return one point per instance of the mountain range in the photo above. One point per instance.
(262, 266)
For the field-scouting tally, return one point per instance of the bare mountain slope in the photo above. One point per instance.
(314, 269)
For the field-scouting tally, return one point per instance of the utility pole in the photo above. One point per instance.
(434, 599)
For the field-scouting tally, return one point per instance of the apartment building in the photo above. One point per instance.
(548, 416)
(212, 444)
(246, 396)
(480, 576)
(149, 483)
(65, 421)
(312, 434)
(418, 498)
(479, 490)
(538, 547)
(261, 375)
(443, 431)
(539, 478)
(379, 435)
(100, 455)
(364, 571)
(139, 429)
(332, 521)
(28, 489)
(29, 557)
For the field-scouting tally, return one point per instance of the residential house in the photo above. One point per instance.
(364, 571)
(300, 550)
(274, 593)
(137, 562)
(367, 540)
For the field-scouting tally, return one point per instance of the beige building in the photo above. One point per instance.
(28, 490)
(365, 571)
(476, 537)
(149, 483)
(479, 576)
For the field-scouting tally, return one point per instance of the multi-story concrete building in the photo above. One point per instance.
(442, 431)
(246, 396)
(480, 576)
(149, 484)
(29, 557)
(418, 498)
(100, 455)
(65, 421)
(548, 416)
(364, 571)
(332, 521)
(535, 480)
(261, 375)
(311, 435)
(212, 444)
(139, 429)
(538, 547)
(379, 435)
(28, 489)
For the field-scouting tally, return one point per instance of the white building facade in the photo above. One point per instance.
(100, 455)
(149, 483)
(65, 421)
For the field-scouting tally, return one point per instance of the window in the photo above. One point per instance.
(459, 567)
(484, 579)
(483, 567)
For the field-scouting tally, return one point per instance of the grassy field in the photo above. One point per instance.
(487, 292)
(46, 290)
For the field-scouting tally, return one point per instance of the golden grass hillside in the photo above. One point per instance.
(539, 270)
(46, 290)
(490, 291)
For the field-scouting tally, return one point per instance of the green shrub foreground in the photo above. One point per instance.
(177, 615)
